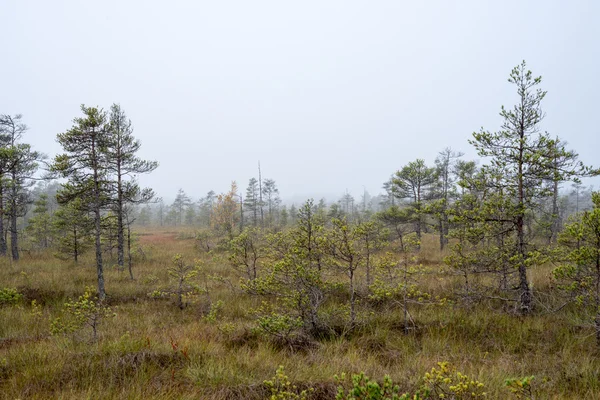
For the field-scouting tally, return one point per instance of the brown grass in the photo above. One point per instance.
(154, 350)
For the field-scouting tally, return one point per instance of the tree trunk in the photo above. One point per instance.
(99, 267)
(97, 222)
(418, 225)
(241, 213)
(75, 249)
(445, 226)
(524, 289)
(405, 296)
(442, 237)
(368, 265)
(180, 294)
(555, 223)
(3, 246)
(260, 203)
(14, 237)
(352, 299)
(120, 238)
(129, 261)
(597, 319)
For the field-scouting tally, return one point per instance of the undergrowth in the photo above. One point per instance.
(213, 349)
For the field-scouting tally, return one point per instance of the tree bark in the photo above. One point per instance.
(75, 249)
(260, 202)
(442, 237)
(120, 236)
(97, 222)
(3, 247)
(524, 289)
(99, 267)
(555, 224)
(14, 237)
(129, 261)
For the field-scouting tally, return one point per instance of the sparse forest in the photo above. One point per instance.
(462, 279)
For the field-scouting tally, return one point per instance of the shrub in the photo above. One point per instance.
(9, 296)
(445, 382)
(365, 389)
(86, 310)
(520, 388)
(282, 389)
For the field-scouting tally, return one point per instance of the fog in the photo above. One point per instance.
(328, 96)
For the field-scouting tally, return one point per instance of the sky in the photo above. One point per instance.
(329, 96)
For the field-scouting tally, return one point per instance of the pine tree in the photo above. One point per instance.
(85, 165)
(284, 217)
(252, 201)
(190, 214)
(225, 214)
(296, 277)
(124, 165)
(272, 200)
(40, 225)
(445, 190)
(145, 216)
(415, 182)
(206, 206)
(160, 211)
(520, 158)
(578, 272)
(74, 230)
(181, 202)
(18, 164)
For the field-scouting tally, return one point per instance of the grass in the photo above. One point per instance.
(151, 349)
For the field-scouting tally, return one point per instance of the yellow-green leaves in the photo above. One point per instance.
(87, 310)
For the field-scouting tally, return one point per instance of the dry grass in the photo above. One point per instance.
(154, 350)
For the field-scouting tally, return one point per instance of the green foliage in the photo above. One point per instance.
(372, 237)
(205, 240)
(521, 159)
(184, 286)
(363, 388)
(180, 204)
(85, 165)
(213, 313)
(246, 251)
(10, 296)
(282, 389)
(415, 181)
(296, 279)
(87, 310)
(109, 234)
(277, 324)
(442, 382)
(36, 309)
(252, 201)
(398, 281)
(578, 272)
(40, 227)
(18, 164)
(186, 283)
(150, 279)
(445, 382)
(73, 227)
(520, 388)
(397, 220)
(346, 255)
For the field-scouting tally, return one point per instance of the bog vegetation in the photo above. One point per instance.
(464, 279)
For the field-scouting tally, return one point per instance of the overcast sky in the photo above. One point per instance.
(328, 95)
